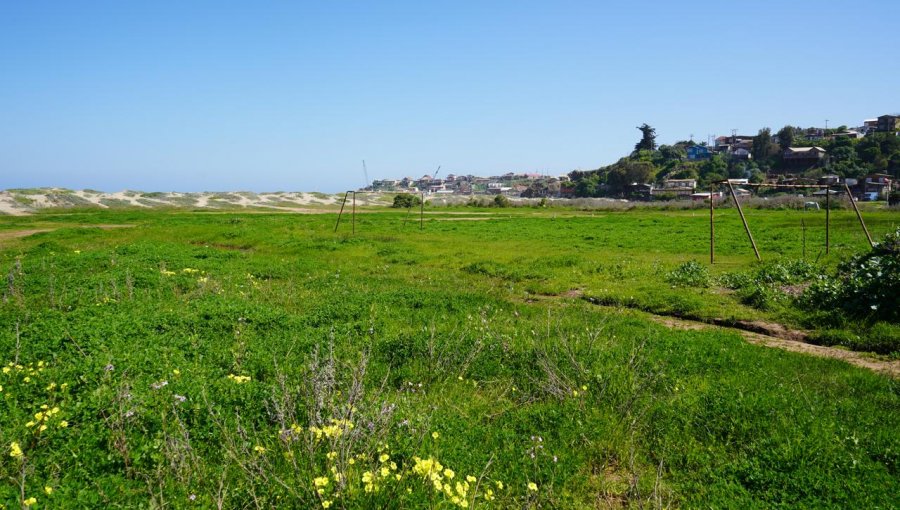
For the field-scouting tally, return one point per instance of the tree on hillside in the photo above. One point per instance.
(648, 139)
(785, 137)
(628, 172)
(669, 153)
(762, 145)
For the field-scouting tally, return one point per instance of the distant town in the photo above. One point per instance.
(865, 159)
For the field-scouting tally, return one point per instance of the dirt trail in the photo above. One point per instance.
(771, 334)
(891, 368)
(12, 234)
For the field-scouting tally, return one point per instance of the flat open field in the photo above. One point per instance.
(232, 360)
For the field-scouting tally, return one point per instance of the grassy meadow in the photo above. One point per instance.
(256, 360)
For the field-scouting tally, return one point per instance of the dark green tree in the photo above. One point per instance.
(648, 139)
(762, 145)
(785, 137)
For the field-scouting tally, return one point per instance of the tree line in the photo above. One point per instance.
(649, 163)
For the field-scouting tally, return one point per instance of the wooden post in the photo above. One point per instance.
(712, 232)
(744, 220)
(353, 216)
(858, 215)
(827, 219)
(422, 212)
(338, 222)
(803, 228)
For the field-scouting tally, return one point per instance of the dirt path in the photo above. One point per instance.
(771, 334)
(12, 234)
(891, 368)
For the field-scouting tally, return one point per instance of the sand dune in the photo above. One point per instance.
(26, 201)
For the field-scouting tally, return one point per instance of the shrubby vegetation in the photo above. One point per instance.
(865, 287)
(405, 201)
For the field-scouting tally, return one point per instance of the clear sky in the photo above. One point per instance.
(268, 96)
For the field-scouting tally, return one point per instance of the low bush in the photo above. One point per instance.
(865, 287)
(689, 274)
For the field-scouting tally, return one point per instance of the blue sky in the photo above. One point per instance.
(268, 96)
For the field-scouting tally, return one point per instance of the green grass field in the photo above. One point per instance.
(235, 360)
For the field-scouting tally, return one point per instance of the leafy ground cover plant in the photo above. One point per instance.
(260, 360)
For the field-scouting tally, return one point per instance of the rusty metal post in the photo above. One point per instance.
(803, 228)
(744, 220)
(827, 219)
(422, 212)
(353, 216)
(858, 215)
(712, 232)
(341, 212)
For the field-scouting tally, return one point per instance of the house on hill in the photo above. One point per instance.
(803, 157)
(681, 188)
(888, 124)
(698, 152)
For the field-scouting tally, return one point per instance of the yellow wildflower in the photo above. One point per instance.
(15, 451)
(326, 504)
(331, 455)
(499, 484)
(384, 472)
(532, 486)
(259, 449)
(435, 435)
(489, 495)
(42, 428)
(584, 387)
(29, 424)
(30, 501)
(320, 481)
(384, 458)
(48, 490)
(176, 372)
(63, 424)
(449, 473)
(470, 479)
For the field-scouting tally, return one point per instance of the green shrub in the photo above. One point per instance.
(689, 274)
(405, 201)
(865, 287)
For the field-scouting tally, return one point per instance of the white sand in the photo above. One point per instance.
(278, 201)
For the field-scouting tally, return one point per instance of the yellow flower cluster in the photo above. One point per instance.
(333, 431)
(239, 379)
(441, 478)
(29, 370)
(43, 416)
(15, 451)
